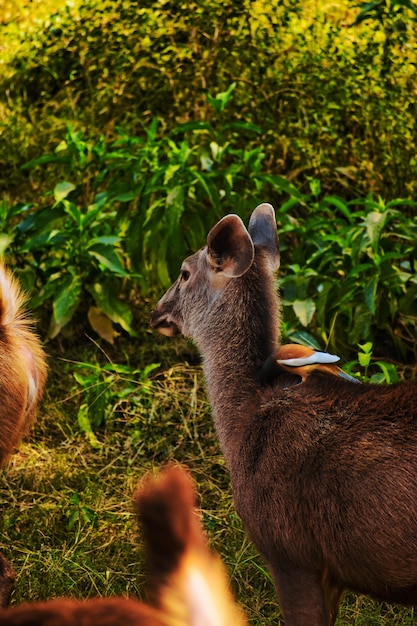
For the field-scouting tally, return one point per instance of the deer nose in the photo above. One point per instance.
(163, 323)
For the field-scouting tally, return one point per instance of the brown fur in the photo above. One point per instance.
(22, 379)
(187, 583)
(7, 579)
(324, 473)
(22, 367)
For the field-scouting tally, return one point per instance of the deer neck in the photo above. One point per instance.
(241, 332)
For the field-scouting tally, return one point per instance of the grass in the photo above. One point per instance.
(67, 522)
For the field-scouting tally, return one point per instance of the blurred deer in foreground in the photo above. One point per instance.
(187, 583)
(324, 473)
(22, 379)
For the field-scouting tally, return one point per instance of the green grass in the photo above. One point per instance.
(67, 522)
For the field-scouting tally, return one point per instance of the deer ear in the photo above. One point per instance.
(229, 247)
(263, 230)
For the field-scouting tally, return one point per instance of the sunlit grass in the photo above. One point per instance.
(67, 522)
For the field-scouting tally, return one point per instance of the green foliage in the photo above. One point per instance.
(173, 114)
(69, 249)
(129, 208)
(332, 92)
(128, 211)
(383, 372)
(349, 272)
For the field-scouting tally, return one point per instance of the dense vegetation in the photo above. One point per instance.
(126, 130)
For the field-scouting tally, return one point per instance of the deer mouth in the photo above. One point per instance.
(163, 324)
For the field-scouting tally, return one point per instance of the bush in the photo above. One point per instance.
(350, 273)
(334, 97)
(128, 211)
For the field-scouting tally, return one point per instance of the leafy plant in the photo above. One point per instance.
(78, 513)
(350, 274)
(138, 205)
(128, 210)
(75, 259)
(383, 372)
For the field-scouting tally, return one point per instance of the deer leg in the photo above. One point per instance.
(306, 599)
(7, 578)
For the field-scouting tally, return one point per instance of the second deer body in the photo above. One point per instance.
(324, 473)
(22, 379)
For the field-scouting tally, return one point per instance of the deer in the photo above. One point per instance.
(187, 583)
(22, 380)
(323, 472)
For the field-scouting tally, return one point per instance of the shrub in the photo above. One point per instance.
(351, 272)
(131, 209)
(334, 96)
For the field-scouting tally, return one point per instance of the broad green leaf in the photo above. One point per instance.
(107, 240)
(282, 184)
(374, 224)
(46, 158)
(339, 204)
(244, 126)
(304, 338)
(126, 196)
(364, 359)
(365, 356)
(389, 371)
(108, 257)
(65, 303)
(108, 302)
(62, 190)
(42, 241)
(42, 220)
(93, 211)
(370, 293)
(73, 211)
(304, 310)
(67, 298)
(366, 347)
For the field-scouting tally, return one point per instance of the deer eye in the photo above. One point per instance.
(185, 275)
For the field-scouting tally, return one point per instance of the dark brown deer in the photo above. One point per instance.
(22, 379)
(324, 472)
(187, 583)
